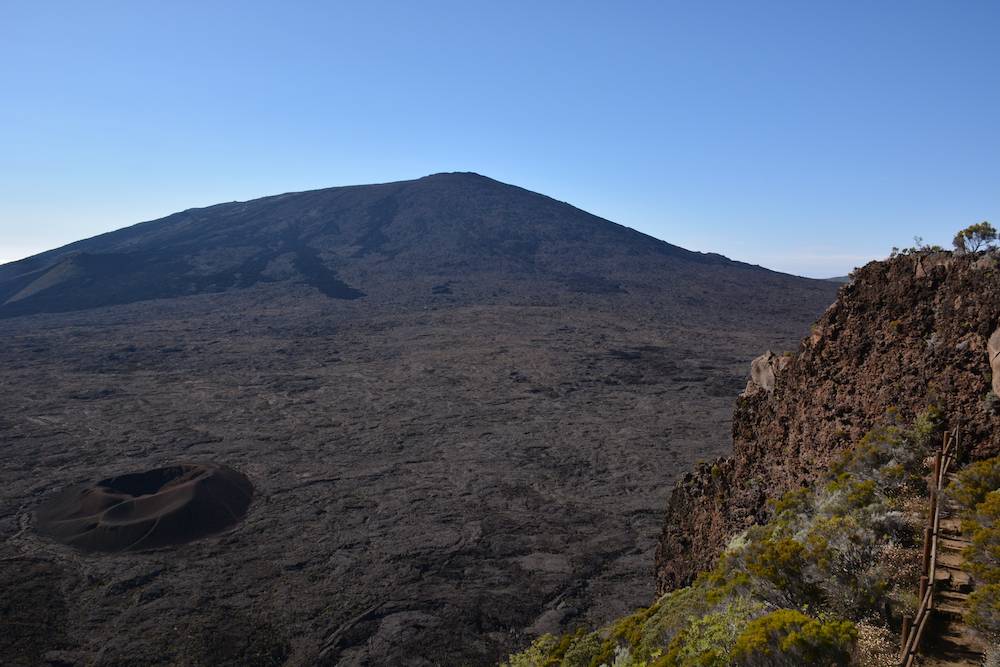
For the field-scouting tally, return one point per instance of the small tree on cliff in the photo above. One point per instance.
(975, 237)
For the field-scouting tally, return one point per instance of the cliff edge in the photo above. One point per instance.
(919, 328)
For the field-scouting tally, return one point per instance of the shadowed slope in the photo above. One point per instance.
(380, 240)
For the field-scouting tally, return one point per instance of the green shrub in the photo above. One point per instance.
(708, 641)
(672, 613)
(796, 501)
(845, 495)
(535, 655)
(860, 494)
(630, 628)
(984, 610)
(892, 455)
(975, 237)
(843, 553)
(550, 651)
(977, 490)
(983, 554)
(781, 561)
(789, 637)
(927, 426)
(582, 651)
(975, 482)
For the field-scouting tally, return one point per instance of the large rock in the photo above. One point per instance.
(763, 372)
(925, 263)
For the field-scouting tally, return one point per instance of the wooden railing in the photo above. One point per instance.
(913, 629)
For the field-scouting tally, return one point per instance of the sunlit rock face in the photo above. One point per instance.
(993, 350)
(764, 371)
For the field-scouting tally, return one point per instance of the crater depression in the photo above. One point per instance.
(147, 510)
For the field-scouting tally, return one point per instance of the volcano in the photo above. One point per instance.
(458, 234)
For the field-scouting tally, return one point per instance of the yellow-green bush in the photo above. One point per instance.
(984, 553)
(974, 482)
(582, 651)
(789, 637)
(984, 610)
(781, 561)
(539, 653)
(977, 491)
(708, 641)
(792, 503)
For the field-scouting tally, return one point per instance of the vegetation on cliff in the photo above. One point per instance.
(917, 329)
(820, 583)
(977, 491)
(975, 237)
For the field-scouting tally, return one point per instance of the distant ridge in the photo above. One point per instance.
(391, 240)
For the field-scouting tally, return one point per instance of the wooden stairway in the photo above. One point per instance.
(950, 642)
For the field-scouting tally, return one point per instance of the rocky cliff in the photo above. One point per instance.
(917, 329)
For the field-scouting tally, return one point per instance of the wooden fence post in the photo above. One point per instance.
(927, 550)
(907, 621)
(913, 627)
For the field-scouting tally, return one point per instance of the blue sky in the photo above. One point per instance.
(804, 136)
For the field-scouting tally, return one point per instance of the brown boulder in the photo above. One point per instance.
(764, 371)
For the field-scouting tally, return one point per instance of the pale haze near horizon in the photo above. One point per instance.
(808, 139)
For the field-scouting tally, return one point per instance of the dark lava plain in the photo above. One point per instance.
(452, 447)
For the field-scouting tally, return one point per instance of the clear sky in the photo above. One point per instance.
(804, 136)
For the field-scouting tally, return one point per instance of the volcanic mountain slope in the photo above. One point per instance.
(462, 234)
(460, 404)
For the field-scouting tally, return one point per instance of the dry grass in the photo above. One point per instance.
(876, 646)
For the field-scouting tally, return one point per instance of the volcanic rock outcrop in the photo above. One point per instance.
(147, 510)
(763, 371)
(993, 352)
(912, 331)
